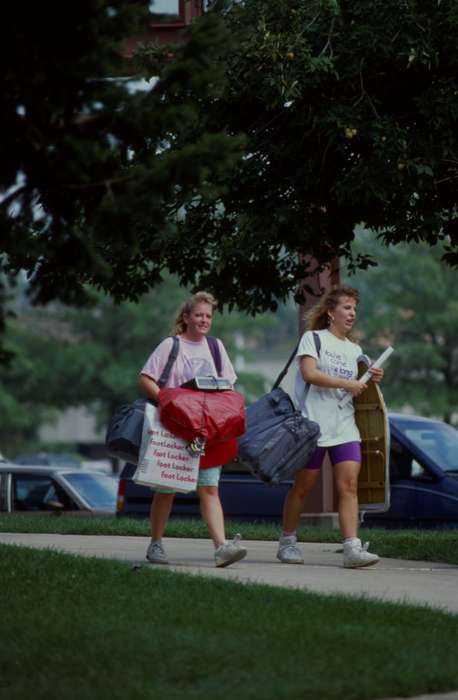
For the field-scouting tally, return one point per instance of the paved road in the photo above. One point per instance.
(416, 582)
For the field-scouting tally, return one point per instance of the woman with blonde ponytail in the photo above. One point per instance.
(195, 358)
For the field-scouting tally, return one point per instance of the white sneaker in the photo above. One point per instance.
(156, 553)
(355, 555)
(288, 551)
(230, 552)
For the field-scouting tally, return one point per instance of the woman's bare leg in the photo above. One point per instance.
(212, 512)
(159, 514)
(304, 482)
(346, 477)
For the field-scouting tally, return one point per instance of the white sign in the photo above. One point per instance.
(164, 459)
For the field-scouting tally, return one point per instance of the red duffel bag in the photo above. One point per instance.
(217, 417)
(219, 453)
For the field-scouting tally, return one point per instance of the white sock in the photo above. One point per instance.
(289, 534)
(352, 541)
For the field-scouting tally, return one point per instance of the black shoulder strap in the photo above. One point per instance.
(214, 349)
(216, 353)
(280, 377)
(317, 340)
(170, 362)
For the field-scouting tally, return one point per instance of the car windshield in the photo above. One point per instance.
(99, 490)
(439, 441)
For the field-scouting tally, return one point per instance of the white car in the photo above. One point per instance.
(36, 489)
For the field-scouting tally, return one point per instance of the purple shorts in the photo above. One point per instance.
(348, 451)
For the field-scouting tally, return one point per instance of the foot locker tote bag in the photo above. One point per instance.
(164, 459)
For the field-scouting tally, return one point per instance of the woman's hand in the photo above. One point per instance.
(377, 374)
(354, 387)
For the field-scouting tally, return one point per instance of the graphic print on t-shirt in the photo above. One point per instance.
(197, 367)
(337, 358)
(337, 364)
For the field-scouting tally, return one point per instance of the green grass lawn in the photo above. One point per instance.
(424, 545)
(77, 628)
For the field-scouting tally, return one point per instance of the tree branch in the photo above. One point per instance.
(364, 93)
(328, 44)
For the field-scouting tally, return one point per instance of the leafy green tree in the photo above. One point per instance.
(409, 301)
(273, 131)
(349, 111)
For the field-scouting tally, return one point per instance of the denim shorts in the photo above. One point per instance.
(347, 451)
(207, 477)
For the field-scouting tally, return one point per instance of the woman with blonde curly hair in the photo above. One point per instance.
(195, 358)
(327, 358)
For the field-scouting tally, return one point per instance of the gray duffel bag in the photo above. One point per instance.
(278, 440)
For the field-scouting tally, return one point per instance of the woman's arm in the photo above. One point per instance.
(312, 375)
(149, 387)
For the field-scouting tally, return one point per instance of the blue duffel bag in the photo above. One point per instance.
(278, 440)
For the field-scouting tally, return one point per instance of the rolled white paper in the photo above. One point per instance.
(367, 375)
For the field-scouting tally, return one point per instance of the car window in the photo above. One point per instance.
(34, 492)
(402, 464)
(439, 441)
(98, 490)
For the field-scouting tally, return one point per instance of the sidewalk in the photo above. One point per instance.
(415, 582)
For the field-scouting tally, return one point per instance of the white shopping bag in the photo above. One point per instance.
(164, 459)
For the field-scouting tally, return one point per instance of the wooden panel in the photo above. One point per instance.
(372, 421)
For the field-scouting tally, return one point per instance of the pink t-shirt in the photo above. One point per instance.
(193, 359)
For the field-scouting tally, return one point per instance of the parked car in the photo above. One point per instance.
(423, 483)
(38, 489)
(243, 497)
(423, 474)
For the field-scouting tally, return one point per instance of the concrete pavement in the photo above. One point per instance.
(415, 582)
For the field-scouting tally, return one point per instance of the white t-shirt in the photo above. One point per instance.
(193, 359)
(338, 358)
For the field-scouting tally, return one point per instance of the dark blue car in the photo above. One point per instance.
(423, 483)
(423, 474)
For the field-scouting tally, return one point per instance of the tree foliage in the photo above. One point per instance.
(350, 114)
(409, 301)
(92, 173)
(271, 133)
